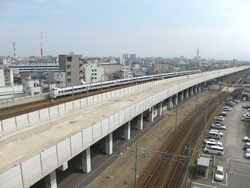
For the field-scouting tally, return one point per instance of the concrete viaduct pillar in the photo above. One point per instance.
(186, 93)
(50, 180)
(140, 121)
(159, 109)
(195, 89)
(181, 95)
(109, 144)
(169, 103)
(127, 130)
(191, 91)
(175, 99)
(86, 160)
(151, 114)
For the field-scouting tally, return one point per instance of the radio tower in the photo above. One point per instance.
(14, 48)
(41, 47)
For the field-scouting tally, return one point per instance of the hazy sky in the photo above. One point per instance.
(166, 28)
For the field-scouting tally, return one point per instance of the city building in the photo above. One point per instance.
(126, 73)
(58, 78)
(31, 86)
(132, 56)
(90, 73)
(35, 67)
(125, 56)
(159, 67)
(6, 77)
(69, 63)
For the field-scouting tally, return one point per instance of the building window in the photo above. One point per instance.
(92, 70)
(69, 80)
(69, 73)
(68, 66)
(69, 59)
(34, 84)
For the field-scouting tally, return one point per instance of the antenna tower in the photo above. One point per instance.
(41, 47)
(14, 48)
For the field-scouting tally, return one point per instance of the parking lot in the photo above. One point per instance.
(236, 167)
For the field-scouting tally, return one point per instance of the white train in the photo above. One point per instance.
(58, 92)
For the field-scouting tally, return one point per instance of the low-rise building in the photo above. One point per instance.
(31, 86)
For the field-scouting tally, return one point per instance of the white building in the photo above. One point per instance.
(91, 73)
(31, 87)
(126, 73)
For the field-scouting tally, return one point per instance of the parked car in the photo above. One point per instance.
(214, 130)
(237, 100)
(247, 155)
(219, 122)
(246, 106)
(219, 126)
(221, 118)
(246, 138)
(212, 142)
(245, 118)
(224, 114)
(219, 173)
(214, 150)
(247, 145)
(227, 108)
(229, 104)
(248, 150)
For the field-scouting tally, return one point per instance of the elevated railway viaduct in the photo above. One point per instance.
(34, 145)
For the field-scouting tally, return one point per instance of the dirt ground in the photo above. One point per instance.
(122, 172)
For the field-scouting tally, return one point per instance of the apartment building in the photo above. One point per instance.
(69, 63)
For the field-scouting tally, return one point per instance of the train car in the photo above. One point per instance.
(58, 92)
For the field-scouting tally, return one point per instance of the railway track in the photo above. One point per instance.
(168, 171)
(20, 109)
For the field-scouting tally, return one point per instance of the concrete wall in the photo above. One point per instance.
(32, 170)
(21, 100)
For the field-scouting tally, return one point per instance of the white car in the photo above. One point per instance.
(218, 126)
(246, 138)
(214, 150)
(247, 155)
(219, 173)
(248, 150)
(214, 130)
(221, 118)
(212, 142)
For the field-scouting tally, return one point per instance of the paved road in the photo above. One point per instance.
(237, 168)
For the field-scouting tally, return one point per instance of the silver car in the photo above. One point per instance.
(218, 126)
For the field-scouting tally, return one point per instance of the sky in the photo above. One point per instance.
(147, 28)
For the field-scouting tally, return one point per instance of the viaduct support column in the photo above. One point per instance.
(151, 115)
(191, 90)
(199, 88)
(186, 94)
(127, 131)
(181, 96)
(50, 180)
(86, 160)
(140, 121)
(109, 144)
(159, 109)
(195, 89)
(176, 99)
(169, 103)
